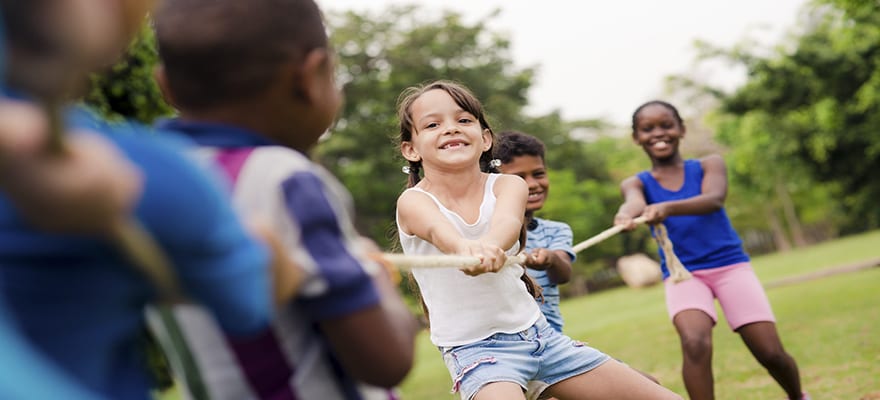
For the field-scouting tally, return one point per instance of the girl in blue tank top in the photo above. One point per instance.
(687, 196)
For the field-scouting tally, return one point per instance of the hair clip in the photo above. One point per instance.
(495, 163)
(405, 169)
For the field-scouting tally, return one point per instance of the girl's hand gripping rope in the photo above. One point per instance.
(623, 222)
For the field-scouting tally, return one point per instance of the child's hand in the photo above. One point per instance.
(89, 189)
(491, 257)
(655, 213)
(286, 276)
(624, 220)
(539, 259)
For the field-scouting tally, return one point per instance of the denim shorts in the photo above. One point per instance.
(534, 359)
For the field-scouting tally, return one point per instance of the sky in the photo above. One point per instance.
(602, 58)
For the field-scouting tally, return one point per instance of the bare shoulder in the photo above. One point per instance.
(413, 207)
(510, 183)
(412, 200)
(633, 182)
(713, 162)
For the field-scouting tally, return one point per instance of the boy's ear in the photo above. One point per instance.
(162, 81)
(409, 152)
(310, 80)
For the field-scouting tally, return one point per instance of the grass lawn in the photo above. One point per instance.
(830, 325)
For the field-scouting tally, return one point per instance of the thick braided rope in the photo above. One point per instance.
(677, 272)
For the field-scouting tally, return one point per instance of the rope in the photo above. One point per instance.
(603, 235)
(405, 262)
(410, 262)
(677, 271)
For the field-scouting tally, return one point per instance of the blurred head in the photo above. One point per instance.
(523, 155)
(219, 54)
(658, 128)
(462, 97)
(54, 44)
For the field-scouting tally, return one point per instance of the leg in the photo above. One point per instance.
(611, 380)
(748, 312)
(647, 375)
(695, 332)
(763, 341)
(500, 391)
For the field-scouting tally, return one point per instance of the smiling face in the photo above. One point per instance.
(531, 169)
(658, 131)
(444, 134)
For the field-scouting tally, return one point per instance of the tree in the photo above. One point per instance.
(816, 109)
(127, 89)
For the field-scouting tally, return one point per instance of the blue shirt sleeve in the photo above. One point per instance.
(349, 287)
(26, 374)
(562, 239)
(218, 264)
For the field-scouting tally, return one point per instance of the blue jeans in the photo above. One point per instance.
(534, 358)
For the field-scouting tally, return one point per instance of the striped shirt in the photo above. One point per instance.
(551, 235)
(310, 212)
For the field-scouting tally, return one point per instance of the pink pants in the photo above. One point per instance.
(736, 287)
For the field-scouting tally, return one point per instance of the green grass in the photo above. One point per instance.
(830, 325)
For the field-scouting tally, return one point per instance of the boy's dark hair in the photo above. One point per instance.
(670, 107)
(515, 144)
(219, 51)
(37, 48)
(463, 98)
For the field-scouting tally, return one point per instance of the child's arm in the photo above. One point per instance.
(634, 203)
(385, 337)
(714, 192)
(363, 317)
(418, 215)
(86, 190)
(511, 193)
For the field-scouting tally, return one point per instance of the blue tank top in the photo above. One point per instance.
(700, 241)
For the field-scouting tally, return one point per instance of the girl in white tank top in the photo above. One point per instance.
(492, 334)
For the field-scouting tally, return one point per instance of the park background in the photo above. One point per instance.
(799, 135)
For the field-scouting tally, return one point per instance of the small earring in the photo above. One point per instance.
(405, 169)
(495, 163)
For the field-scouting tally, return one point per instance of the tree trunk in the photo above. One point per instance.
(779, 237)
(791, 218)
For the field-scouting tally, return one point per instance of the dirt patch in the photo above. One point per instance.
(841, 269)
(871, 396)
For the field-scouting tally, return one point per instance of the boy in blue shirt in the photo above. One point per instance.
(548, 243)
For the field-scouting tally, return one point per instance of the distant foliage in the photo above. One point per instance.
(127, 89)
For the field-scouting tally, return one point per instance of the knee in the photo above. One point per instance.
(696, 346)
(775, 357)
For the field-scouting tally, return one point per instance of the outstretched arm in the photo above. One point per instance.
(418, 215)
(511, 193)
(381, 335)
(634, 203)
(88, 189)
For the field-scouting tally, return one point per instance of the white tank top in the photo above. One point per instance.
(463, 309)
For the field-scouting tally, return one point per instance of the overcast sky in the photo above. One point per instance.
(602, 58)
